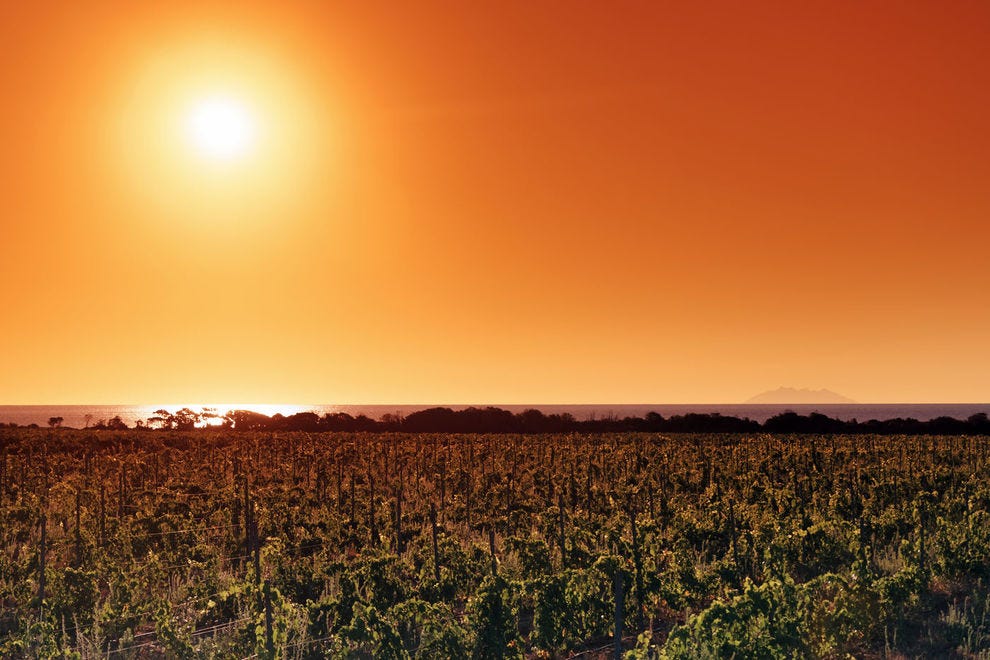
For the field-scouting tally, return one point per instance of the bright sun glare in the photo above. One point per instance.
(221, 128)
(217, 131)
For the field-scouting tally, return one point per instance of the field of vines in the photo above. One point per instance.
(227, 544)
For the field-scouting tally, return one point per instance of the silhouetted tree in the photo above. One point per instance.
(248, 420)
(163, 418)
(496, 420)
(207, 414)
(303, 421)
(979, 423)
(392, 422)
(185, 419)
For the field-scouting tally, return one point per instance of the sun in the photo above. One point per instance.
(208, 132)
(221, 128)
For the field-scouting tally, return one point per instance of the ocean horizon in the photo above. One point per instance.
(79, 416)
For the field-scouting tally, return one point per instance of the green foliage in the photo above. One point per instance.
(493, 622)
(372, 635)
(75, 596)
(533, 554)
(174, 641)
(758, 546)
(762, 622)
(431, 630)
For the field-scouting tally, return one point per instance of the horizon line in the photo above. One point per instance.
(529, 403)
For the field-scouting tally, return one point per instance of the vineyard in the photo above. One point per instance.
(236, 544)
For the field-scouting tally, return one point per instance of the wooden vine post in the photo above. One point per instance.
(436, 548)
(103, 514)
(78, 531)
(618, 590)
(42, 558)
(247, 520)
(372, 527)
(398, 520)
(255, 541)
(637, 564)
(733, 534)
(269, 637)
(491, 548)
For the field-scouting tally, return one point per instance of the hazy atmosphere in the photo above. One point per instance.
(505, 330)
(484, 202)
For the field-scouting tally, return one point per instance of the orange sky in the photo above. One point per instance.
(497, 202)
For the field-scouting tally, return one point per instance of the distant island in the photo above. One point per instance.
(792, 395)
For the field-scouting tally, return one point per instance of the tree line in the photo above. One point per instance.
(496, 420)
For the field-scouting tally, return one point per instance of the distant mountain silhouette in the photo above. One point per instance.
(792, 395)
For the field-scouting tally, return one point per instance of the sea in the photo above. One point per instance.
(80, 416)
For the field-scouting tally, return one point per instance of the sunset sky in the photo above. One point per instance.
(493, 202)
